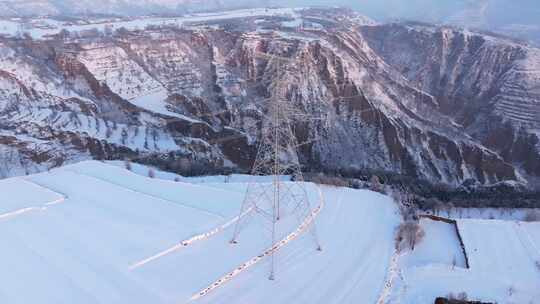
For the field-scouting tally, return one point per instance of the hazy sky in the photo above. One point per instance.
(494, 12)
(519, 18)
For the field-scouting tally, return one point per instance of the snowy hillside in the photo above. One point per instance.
(95, 244)
(97, 233)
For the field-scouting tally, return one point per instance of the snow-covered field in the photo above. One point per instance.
(21, 196)
(41, 28)
(118, 236)
(503, 257)
(448, 252)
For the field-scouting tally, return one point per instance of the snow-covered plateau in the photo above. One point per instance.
(96, 232)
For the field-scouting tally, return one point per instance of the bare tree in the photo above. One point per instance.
(511, 290)
(462, 296)
(186, 166)
(8, 159)
(376, 184)
(127, 165)
(409, 234)
(109, 132)
(405, 200)
(439, 207)
(432, 204)
(322, 179)
(448, 207)
(124, 136)
(532, 216)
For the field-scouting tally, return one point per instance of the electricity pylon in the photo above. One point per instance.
(277, 156)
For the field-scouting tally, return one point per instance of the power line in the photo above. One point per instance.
(277, 156)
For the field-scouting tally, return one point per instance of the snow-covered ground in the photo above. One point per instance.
(207, 180)
(118, 236)
(503, 256)
(40, 28)
(440, 246)
(21, 196)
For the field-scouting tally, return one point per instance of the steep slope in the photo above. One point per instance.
(195, 96)
(488, 84)
(55, 110)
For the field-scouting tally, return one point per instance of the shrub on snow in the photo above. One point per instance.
(127, 165)
(408, 235)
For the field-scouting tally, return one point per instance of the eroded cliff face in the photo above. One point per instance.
(489, 85)
(169, 94)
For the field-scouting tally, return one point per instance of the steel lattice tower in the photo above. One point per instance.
(277, 156)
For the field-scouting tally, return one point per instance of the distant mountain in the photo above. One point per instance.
(116, 7)
(515, 18)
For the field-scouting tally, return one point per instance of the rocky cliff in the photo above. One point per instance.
(433, 103)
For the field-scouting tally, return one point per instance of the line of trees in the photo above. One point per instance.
(437, 197)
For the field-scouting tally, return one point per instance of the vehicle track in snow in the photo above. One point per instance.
(529, 237)
(43, 207)
(187, 242)
(527, 243)
(393, 273)
(251, 262)
(182, 244)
